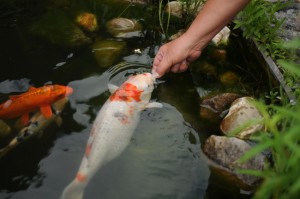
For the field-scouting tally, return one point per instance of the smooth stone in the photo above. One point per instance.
(124, 28)
(229, 78)
(88, 21)
(107, 52)
(241, 112)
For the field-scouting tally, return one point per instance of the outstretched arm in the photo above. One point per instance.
(177, 54)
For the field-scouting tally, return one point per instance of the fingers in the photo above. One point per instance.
(161, 65)
(181, 67)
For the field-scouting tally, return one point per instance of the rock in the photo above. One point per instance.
(229, 78)
(143, 2)
(124, 28)
(5, 130)
(241, 112)
(175, 8)
(219, 55)
(207, 68)
(57, 28)
(87, 21)
(225, 152)
(107, 52)
(222, 37)
(213, 108)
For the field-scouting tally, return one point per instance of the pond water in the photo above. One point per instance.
(163, 159)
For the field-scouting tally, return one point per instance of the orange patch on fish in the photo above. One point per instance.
(88, 149)
(127, 93)
(80, 177)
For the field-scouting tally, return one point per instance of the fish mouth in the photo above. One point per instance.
(69, 91)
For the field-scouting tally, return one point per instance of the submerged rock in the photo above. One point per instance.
(241, 112)
(229, 78)
(219, 55)
(88, 21)
(138, 1)
(124, 28)
(175, 8)
(107, 52)
(57, 28)
(225, 153)
(208, 69)
(213, 108)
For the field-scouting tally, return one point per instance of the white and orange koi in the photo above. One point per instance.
(112, 129)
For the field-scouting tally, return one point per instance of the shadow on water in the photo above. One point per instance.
(164, 158)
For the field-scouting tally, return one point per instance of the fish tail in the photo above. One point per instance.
(74, 190)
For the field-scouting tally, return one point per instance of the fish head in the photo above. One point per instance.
(59, 91)
(143, 82)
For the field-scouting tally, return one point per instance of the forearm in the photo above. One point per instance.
(211, 19)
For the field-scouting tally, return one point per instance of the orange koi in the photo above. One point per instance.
(35, 98)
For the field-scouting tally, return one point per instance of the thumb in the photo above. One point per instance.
(160, 65)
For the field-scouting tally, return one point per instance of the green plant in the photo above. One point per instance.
(190, 9)
(258, 22)
(161, 17)
(281, 178)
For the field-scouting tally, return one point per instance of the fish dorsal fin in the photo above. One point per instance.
(46, 111)
(112, 88)
(13, 97)
(32, 88)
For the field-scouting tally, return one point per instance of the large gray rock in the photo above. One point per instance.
(243, 118)
(224, 152)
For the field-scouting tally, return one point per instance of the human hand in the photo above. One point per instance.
(174, 56)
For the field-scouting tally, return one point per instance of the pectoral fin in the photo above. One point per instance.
(46, 111)
(25, 118)
(112, 88)
(154, 105)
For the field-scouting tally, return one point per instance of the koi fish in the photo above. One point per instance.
(112, 129)
(36, 124)
(34, 98)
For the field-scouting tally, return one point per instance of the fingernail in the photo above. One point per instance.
(154, 74)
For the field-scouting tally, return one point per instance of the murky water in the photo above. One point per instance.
(163, 159)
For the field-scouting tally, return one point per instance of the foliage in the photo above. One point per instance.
(258, 22)
(281, 180)
(161, 18)
(189, 10)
